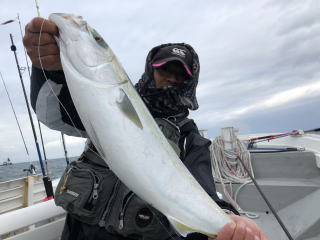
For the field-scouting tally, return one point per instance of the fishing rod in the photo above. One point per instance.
(65, 149)
(274, 149)
(265, 199)
(46, 179)
(37, 6)
(25, 52)
(44, 152)
(15, 115)
(312, 130)
(29, 72)
(274, 136)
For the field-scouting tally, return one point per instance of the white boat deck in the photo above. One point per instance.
(291, 182)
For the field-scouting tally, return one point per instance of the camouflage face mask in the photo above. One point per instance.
(165, 102)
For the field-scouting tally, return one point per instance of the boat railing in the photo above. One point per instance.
(24, 214)
(40, 221)
(22, 192)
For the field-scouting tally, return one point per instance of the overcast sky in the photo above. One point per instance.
(260, 61)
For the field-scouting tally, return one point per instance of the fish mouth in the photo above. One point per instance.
(77, 20)
(71, 21)
(64, 21)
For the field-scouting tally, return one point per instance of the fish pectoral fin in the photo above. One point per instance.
(127, 108)
(184, 229)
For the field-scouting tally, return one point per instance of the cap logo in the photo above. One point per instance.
(179, 52)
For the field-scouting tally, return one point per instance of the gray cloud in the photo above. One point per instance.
(250, 52)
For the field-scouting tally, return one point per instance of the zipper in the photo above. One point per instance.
(96, 180)
(94, 195)
(124, 206)
(108, 208)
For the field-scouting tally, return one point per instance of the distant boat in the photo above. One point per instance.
(6, 163)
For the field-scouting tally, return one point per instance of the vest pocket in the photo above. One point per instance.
(132, 217)
(84, 190)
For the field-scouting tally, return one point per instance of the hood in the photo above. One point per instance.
(187, 94)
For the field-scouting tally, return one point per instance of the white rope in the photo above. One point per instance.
(226, 169)
(225, 165)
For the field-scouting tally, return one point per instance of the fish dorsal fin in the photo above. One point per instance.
(127, 108)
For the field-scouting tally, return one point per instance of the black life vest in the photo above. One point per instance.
(90, 192)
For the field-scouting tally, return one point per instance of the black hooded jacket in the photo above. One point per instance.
(49, 111)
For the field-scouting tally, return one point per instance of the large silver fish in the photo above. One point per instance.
(125, 133)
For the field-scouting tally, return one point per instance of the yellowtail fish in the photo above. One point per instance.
(126, 135)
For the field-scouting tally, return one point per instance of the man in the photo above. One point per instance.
(168, 88)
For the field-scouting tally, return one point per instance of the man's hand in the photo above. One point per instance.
(48, 48)
(241, 229)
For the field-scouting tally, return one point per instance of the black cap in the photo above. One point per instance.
(173, 53)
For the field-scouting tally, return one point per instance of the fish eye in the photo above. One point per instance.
(96, 36)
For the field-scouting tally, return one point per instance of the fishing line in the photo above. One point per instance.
(55, 95)
(266, 199)
(25, 52)
(63, 107)
(29, 73)
(53, 92)
(15, 115)
(8, 95)
(63, 141)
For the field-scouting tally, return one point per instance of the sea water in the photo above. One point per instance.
(18, 170)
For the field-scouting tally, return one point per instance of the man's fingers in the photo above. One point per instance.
(42, 48)
(255, 229)
(227, 231)
(263, 236)
(240, 231)
(49, 49)
(250, 235)
(47, 26)
(33, 39)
